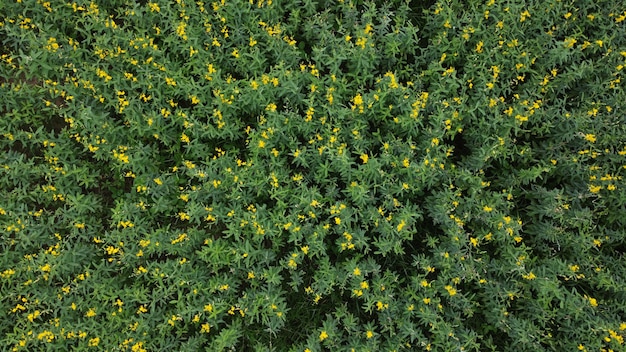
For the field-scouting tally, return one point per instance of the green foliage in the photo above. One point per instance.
(306, 176)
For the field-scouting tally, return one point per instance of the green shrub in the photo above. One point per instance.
(308, 176)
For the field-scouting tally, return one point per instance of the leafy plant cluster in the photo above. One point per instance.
(312, 175)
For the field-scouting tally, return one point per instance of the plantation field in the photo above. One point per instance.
(301, 175)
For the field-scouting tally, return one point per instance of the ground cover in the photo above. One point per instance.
(312, 175)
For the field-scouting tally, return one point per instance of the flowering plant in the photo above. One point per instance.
(308, 176)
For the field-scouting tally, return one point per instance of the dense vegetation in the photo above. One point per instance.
(312, 175)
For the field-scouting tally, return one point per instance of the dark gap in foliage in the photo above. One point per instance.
(303, 38)
(575, 286)
(114, 8)
(109, 187)
(303, 317)
(234, 73)
(422, 244)
(161, 257)
(416, 245)
(344, 67)
(83, 39)
(18, 147)
(118, 19)
(55, 124)
(4, 50)
(419, 16)
(214, 229)
(189, 337)
(569, 97)
(558, 181)
(52, 122)
(184, 103)
(461, 149)
(197, 79)
(619, 221)
(367, 85)
(128, 184)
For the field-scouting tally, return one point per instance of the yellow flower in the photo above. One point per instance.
(33, 316)
(524, 15)
(594, 189)
(154, 7)
(590, 137)
(365, 158)
(451, 290)
(521, 118)
(474, 241)
(323, 335)
(180, 30)
(569, 42)
(180, 237)
(52, 46)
